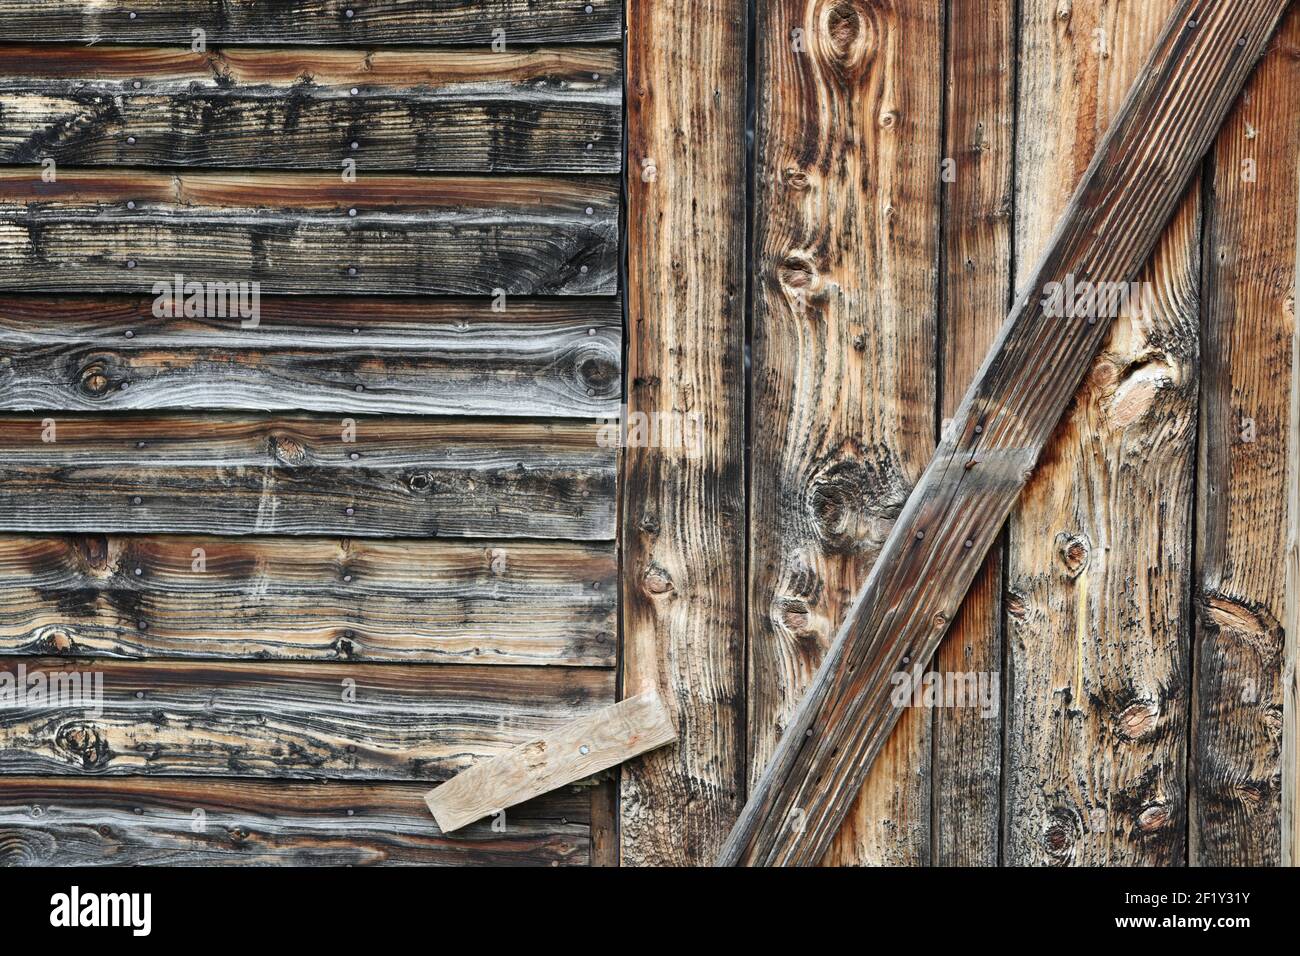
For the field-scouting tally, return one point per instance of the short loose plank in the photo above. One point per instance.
(232, 475)
(139, 821)
(552, 110)
(294, 721)
(178, 596)
(532, 357)
(316, 22)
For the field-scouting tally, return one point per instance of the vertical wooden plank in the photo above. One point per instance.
(1291, 684)
(684, 503)
(1100, 543)
(974, 295)
(845, 283)
(1248, 323)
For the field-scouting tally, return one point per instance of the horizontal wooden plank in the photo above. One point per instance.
(553, 110)
(308, 599)
(315, 21)
(304, 721)
(538, 357)
(221, 474)
(140, 821)
(124, 231)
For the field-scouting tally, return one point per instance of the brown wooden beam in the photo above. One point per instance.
(954, 514)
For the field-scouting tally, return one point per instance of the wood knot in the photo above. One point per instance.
(56, 641)
(286, 449)
(798, 273)
(1153, 818)
(795, 178)
(95, 380)
(1139, 719)
(1072, 550)
(85, 743)
(420, 482)
(657, 581)
(1015, 604)
(1061, 833)
(854, 501)
(597, 372)
(497, 560)
(847, 37)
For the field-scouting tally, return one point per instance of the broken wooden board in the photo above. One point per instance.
(317, 22)
(594, 742)
(129, 230)
(550, 110)
(229, 474)
(559, 357)
(955, 513)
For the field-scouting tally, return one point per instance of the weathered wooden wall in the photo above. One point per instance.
(325, 558)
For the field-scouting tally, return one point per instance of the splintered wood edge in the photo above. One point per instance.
(578, 749)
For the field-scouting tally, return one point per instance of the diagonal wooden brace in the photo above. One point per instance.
(1126, 196)
(595, 742)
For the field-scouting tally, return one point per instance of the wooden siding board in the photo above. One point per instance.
(533, 357)
(139, 821)
(174, 596)
(1248, 323)
(316, 22)
(683, 526)
(542, 110)
(223, 474)
(845, 259)
(975, 291)
(124, 231)
(296, 721)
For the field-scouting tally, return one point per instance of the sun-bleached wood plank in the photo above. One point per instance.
(588, 745)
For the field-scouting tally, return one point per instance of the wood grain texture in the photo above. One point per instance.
(845, 246)
(683, 526)
(537, 357)
(1100, 545)
(229, 475)
(552, 110)
(1248, 323)
(316, 22)
(1291, 623)
(176, 596)
(594, 742)
(138, 821)
(124, 231)
(1129, 192)
(975, 289)
(292, 721)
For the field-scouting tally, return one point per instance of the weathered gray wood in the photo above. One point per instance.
(124, 231)
(1248, 317)
(175, 596)
(535, 110)
(954, 515)
(138, 821)
(314, 21)
(549, 357)
(222, 474)
(303, 721)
